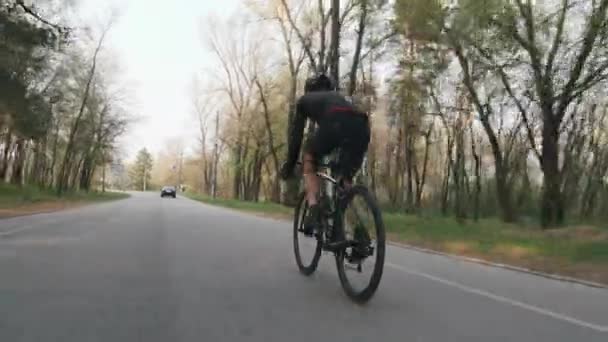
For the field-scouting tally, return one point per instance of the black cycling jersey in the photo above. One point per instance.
(340, 124)
(314, 106)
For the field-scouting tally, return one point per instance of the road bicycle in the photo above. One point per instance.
(351, 228)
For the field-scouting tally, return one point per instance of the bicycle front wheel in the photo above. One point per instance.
(307, 249)
(361, 263)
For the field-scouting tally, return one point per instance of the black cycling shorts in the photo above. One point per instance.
(347, 131)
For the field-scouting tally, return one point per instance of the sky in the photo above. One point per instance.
(160, 46)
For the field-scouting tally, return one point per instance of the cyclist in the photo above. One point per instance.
(339, 125)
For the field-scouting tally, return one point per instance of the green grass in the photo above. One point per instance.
(492, 237)
(11, 195)
(485, 238)
(259, 207)
(14, 196)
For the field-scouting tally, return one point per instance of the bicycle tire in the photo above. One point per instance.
(380, 250)
(312, 267)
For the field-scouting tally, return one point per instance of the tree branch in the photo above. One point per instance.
(593, 78)
(305, 44)
(593, 27)
(378, 42)
(524, 113)
(322, 34)
(558, 37)
(356, 58)
(542, 81)
(347, 9)
(33, 13)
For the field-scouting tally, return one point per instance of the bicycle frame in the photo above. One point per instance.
(329, 198)
(329, 184)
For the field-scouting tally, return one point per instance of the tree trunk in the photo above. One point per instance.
(322, 36)
(335, 42)
(8, 145)
(477, 171)
(237, 178)
(292, 185)
(445, 197)
(103, 173)
(257, 178)
(389, 162)
(399, 170)
(241, 169)
(502, 176)
(477, 160)
(40, 162)
(19, 162)
(51, 170)
(409, 167)
(205, 186)
(84, 173)
(215, 156)
(422, 179)
(371, 158)
(357, 55)
(276, 185)
(460, 206)
(144, 179)
(551, 202)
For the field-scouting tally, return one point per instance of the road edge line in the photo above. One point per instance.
(502, 299)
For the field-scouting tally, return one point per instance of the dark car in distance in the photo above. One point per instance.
(168, 191)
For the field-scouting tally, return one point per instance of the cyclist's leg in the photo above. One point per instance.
(323, 141)
(311, 180)
(353, 148)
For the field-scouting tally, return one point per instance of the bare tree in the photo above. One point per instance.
(557, 86)
(62, 182)
(276, 188)
(238, 86)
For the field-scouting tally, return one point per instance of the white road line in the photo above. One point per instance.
(13, 231)
(501, 299)
(24, 228)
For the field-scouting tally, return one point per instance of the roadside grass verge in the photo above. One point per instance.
(578, 251)
(574, 250)
(272, 209)
(18, 200)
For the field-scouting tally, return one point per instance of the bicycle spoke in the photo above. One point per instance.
(360, 264)
(307, 249)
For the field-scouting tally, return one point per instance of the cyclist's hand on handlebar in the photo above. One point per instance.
(286, 171)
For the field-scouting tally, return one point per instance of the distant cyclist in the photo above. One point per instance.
(339, 125)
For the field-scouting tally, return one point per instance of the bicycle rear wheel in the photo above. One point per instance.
(361, 263)
(307, 249)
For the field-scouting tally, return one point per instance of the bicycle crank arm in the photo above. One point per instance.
(337, 246)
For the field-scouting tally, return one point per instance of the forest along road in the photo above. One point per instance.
(151, 269)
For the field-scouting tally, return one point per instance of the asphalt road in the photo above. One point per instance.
(146, 269)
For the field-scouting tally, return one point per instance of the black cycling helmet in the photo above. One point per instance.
(320, 82)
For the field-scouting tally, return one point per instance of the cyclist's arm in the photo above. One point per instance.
(295, 135)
